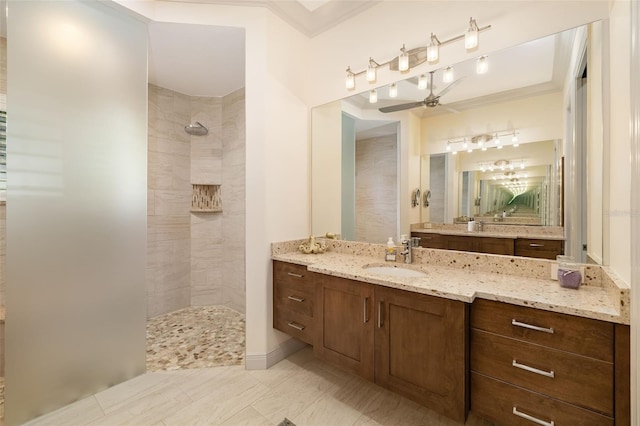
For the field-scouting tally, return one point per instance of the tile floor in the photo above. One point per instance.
(303, 389)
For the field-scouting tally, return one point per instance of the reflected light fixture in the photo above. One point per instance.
(522, 166)
(373, 96)
(372, 71)
(449, 146)
(482, 65)
(433, 50)
(422, 82)
(471, 36)
(447, 75)
(350, 82)
(393, 91)
(403, 59)
(514, 139)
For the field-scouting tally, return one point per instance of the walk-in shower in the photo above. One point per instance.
(196, 129)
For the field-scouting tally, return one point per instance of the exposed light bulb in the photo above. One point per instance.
(373, 96)
(482, 65)
(433, 50)
(403, 59)
(471, 36)
(350, 81)
(422, 82)
(447, 75)
(371, 71)
(393, 91)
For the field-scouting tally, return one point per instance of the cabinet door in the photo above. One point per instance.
(421, 349)
(345, 336)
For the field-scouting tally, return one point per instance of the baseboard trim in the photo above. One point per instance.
(266, 360)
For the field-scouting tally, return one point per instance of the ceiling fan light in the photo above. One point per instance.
(403, 59)
(482, 65)
(393, 91)
(350, 81)
(433, 50)
(471, 36)
(373, 96)
(447, 75)
(422, 82)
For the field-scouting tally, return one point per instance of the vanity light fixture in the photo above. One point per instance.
(373, 96)
(482, 65)
(448, 145)
(422, 82)
(433, 50)
(447, 75)
(514, 139)
(471, 36)
(372, 71)
(350, 82)
(403, 60)
(393, 90)
(411, 58)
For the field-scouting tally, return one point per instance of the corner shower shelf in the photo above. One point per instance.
(206, 199)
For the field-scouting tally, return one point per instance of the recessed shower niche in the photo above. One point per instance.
(206, 198)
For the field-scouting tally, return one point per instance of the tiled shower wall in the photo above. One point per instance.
(195, 259)
(376, 189)
(169, 195)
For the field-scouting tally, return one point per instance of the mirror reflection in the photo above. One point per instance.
(485, 138)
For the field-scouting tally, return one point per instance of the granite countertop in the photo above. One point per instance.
(590, 301)
(492, 234)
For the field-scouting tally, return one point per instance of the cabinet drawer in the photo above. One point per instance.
(496, 245)
(299, 297)
(579, 380)
(544, 249)
(429, 240)
(295, 324)
(496, 400)
(291, 273)
(578, 335)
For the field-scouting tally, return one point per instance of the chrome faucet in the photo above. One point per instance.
(406, 250)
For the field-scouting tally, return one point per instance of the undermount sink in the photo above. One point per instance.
(395, 271)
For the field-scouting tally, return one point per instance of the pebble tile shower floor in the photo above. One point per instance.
(197, 337)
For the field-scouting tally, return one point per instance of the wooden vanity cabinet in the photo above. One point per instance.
(529, 365)
(429, 240)
(539, 248)
(294, 300)
(480, 244)
(527, 247)
(421, 349)
(412, 344)
(345, 325)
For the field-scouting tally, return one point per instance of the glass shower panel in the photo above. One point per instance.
(76, 202)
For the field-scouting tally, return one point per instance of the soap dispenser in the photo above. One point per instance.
(390, 254)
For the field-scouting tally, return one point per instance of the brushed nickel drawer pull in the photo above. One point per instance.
(365, 314)
(296, 326)
(295, 275)
(531, 418)
(531, 327)
(295, 299)
(533, 370)
(380, 306)
(536, 245)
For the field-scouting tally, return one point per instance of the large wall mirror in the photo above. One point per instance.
(522, 137)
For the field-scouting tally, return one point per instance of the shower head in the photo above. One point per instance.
(196, 129)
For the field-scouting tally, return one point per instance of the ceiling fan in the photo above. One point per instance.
(430, 101)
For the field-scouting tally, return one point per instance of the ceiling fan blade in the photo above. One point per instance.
(401, 107)
(449, 87)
